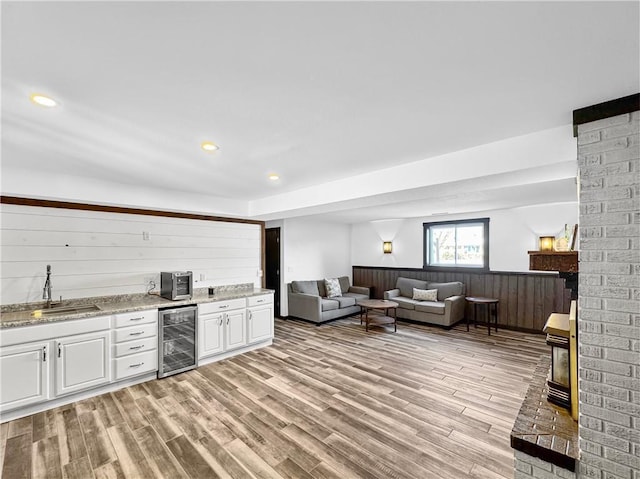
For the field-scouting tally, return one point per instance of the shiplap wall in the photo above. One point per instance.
(98, 254)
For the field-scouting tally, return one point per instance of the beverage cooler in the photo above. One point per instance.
(177, 337)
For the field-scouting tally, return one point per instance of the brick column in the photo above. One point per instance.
(609, 296)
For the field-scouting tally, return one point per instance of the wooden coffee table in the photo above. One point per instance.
(383, 305)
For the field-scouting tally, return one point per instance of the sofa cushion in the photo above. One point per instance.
(321, 289)
(306, 287)
(405, 303)
(333, 288)
(425, 294)
(446, 290)
(345, 301)
(344, 284)
(355, 296)
(430, 307)
(406, 285)
(329, 304)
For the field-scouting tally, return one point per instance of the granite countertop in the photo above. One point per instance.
(542, 429)
(15, 315)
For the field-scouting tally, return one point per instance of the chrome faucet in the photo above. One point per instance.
(46, 291)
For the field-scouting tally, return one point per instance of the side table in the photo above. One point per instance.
(492, 310)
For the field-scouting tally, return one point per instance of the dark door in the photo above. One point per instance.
(272, 253)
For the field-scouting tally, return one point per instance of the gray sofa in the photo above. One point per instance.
(307, 300)
(446, 311)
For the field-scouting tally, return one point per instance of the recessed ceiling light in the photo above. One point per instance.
(209, 146)
(273, 177)
(43, 100)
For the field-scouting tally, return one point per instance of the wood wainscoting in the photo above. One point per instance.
(526, 299)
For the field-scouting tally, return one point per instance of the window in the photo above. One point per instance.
(457, 244)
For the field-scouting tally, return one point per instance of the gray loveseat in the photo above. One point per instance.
(446, 311)
(307, 300)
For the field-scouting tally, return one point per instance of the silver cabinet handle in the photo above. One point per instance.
(44, 354)
(250, 314)
(136, 319)
(224, 306)
(59, 350)
(220, 322)
(227, 318)
(136, 334)
(136, 365)
(260, 301)
(137, 347)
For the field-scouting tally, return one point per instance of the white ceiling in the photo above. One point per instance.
(314, 91)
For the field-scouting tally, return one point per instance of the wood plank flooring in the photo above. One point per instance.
(322, 402)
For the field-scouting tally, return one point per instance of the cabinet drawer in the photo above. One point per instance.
(135, 364)
(136, 346)
(135, 332)
(135, 317)
(220, 306)
(57, 329)
(258, 300)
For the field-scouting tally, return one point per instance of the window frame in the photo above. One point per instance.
(459, 268)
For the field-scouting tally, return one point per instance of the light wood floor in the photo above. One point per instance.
(322, 402)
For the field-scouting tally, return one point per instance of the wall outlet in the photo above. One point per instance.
(151, 283)
(260, 273)
(145, 236)
(203, 276)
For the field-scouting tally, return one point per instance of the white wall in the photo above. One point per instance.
(97, 254)
(312, 250)
(512, 233)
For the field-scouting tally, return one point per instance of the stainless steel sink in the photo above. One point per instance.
(67, 310)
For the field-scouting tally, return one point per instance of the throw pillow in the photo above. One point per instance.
(425, 294)
(333, 288)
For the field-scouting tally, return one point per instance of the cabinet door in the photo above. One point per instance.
(210, 334)
(260, 323)
(236, 329)
(82, 362)
(24, 375)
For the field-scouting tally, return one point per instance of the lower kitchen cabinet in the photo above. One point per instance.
(50, 364)
(82, 362)
(135, 344)
(210, 334)
(233, 325)
(55, 363)
(235, 329)
(220, 332)
(75, 363)
(260, 323)
(260, 318)
(24, 375)
(135, 364)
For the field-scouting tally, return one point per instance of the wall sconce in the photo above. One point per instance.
(546, 243)
(386, 247)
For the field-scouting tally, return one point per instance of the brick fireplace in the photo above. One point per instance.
(608, 137)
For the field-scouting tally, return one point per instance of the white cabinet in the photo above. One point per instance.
(235, 329)
(222, 326)
(24, 374)
(135, 348)
(82, 362)
(260, 318)
(48, 364)
(135, 318)
(234, 324)
(210, 334)
(41, 362)
(135, 364)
